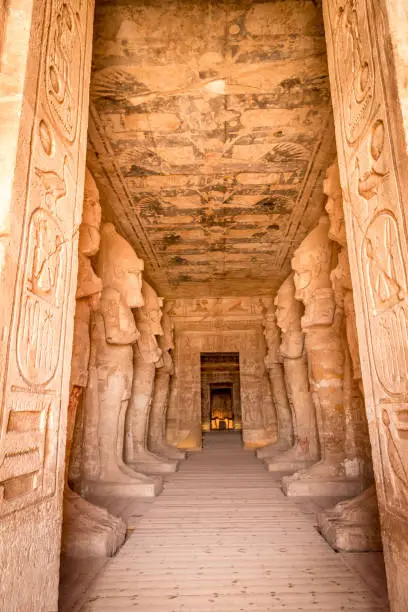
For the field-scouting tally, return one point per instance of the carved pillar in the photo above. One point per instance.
(236, 401)
(147, 356)
(351, 525)
(367, 40)
(110, 374)
(305, 449)
(322, 324)
(156, 438)
(205, 403)
(87, 529)
(44, 94)
(274, 366)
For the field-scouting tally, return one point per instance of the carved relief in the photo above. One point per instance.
(376, 192)
(354, 66)
(38, 353)
(62, 71)
(38, 342)
(386, 287)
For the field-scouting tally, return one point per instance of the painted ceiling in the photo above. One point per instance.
(210, 133)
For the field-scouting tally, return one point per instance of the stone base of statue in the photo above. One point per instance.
(353, 525)
(323, 479)
(123, 481)
(292, 460)
(271, 450)
(149, 463)
(88, 530)
(166, 451)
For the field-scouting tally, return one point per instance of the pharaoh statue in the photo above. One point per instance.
(352, 525)
(147, 357)
(156, 438)
(323, 326)
(106, 400)
(304, 451)
(274, 366)
(88, 530)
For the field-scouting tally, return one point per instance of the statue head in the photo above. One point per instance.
(288, 309)
(272, 334)
(89, 236)
(166, 341)
(148, 317)
(341, 278)
(312, 262)
(119, 266)
(89, 284)
(334, 204)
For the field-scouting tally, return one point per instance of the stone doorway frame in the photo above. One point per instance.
(257, 429)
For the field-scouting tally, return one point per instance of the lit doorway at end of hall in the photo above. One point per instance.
(220, 392)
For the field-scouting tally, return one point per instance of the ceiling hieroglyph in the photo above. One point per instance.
(209, 136)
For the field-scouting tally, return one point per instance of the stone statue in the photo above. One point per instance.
(87, 529)
(156, 439)
(147, 356)
(274, 366)
(111, 372)
(304, 451)
(352, 525)
(323, 326)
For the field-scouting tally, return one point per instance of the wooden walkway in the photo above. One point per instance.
(222, 537)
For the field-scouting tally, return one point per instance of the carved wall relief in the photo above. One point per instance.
(375, 194)
(194, 337)
(45, 191)
(34, 382)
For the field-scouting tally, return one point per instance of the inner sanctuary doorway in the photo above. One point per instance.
(220, 392)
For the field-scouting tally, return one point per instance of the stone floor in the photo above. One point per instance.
(223, 537)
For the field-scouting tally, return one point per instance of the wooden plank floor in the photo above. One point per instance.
(222, 537)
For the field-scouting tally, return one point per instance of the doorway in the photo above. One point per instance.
(221, 406)
(220, 392)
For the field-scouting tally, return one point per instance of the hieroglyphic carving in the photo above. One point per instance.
(354, 66)
(386, 289)
(375, 226)
(375, 185)
(39, 342)
(62, 72)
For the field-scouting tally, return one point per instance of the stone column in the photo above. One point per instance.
(274, 366)
(44, 93)
(111, 372)
(305, 449)
(147, 357)
(323, 326)
(368, 40)
(205, 403)
(87, 529)
(156, 439)
(236, 400)
(351, 525)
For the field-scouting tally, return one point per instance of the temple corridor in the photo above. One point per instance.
(222, 536)
(203, 305)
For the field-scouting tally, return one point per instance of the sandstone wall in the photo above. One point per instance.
(219, 325)
(44, 93)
